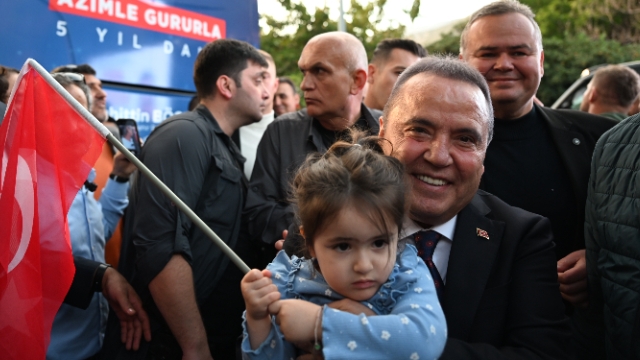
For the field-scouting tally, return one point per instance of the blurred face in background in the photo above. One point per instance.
(78, 94)
(271, 84)
(285, 100)
(99, 105)
(383, 75)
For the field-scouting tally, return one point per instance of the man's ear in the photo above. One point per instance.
(372, 70)
(296, 96)
(359, 80)
(226, 86)
(381, 121)
(541, 63)
(593, 95)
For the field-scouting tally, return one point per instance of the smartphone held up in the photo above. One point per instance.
(129, 135)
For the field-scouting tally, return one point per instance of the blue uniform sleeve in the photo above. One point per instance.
(113, 201)
(414, 329)
(274, 346)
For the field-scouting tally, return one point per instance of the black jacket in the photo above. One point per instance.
(501, 299)
(574, 134)
(283, 148)
(612, 235)
(82, 288)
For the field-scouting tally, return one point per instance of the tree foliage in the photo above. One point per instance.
(449, 43)
(285, 39)
(617, 20)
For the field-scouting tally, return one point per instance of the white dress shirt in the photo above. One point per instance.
(441, 253)
(250, 136)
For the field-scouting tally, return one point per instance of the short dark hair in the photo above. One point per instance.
(353, 172)
(84, 69)
(4, 82)
(223, 57)
(288, 81)
(618, 84)
(386, 46)
(447, 67)
(502, 7)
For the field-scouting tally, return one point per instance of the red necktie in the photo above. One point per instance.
(426, 243)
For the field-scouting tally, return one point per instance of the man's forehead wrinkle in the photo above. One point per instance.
(507, 31)
(345, 48)
(494, 47)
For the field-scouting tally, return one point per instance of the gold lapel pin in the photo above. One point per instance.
(482, 233)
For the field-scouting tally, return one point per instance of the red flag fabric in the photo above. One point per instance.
(47, 150)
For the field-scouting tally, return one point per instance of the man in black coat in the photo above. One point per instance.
(539, 159)
(334, 66)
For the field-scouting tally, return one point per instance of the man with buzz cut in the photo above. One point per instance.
(389, 60)
(611, 92)
(539, 159)
(287, 98)
(187, 284)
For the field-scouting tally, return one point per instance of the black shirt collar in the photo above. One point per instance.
(317, 133)
(231, 145)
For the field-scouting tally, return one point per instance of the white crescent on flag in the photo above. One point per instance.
(25, 198)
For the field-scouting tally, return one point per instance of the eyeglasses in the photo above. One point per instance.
(71, 76)
(66, 68)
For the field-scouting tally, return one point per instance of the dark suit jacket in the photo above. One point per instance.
(82, 289)
(501, 298)
(283, 148)
(575, 134)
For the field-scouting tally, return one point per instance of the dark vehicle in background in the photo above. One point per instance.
(572, 98)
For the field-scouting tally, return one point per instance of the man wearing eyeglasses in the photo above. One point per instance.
(99, 97)
(105, 162)
(78, 333)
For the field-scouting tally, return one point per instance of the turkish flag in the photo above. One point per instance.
(47, 150)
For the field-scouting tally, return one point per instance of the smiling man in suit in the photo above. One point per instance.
(495, 263)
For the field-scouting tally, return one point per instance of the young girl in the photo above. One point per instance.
(351, 204)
